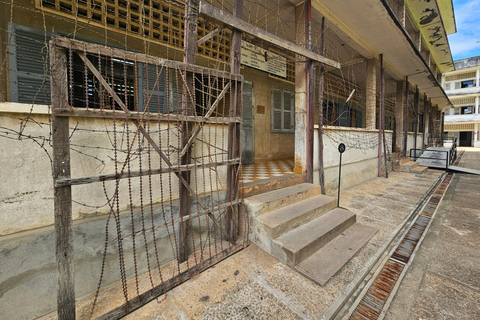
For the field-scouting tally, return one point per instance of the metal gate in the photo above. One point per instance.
(169, 139)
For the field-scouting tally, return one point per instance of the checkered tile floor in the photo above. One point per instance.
(263, 169)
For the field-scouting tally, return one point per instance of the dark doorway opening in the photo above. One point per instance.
(466, 139)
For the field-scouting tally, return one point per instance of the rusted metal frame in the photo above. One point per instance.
(442, 124)
(234, 128)
(137, 122)
(321, 84)
(240, 25)
(405, 117)
(190, 49)
(205, 118)
(107, 114)
(151, 294)
(310, 95)
(62, 195)
(208, 36)
(382, 112)
(139, 57)
(117, 176)
(416, 101)
(424, 119)
(380, 119)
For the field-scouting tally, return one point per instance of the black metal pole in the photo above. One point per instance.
(339, 179)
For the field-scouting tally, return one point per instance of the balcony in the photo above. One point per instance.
(462, 118)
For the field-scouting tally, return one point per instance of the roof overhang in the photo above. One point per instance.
(431, 24)
(448, 15)
(383, 34)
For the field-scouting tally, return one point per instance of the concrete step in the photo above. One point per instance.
(420, 169)
(295, 246)
(264, 185)
(290, 217)
(323, 264)
(404, 160)
(409, 166)
(272, 200)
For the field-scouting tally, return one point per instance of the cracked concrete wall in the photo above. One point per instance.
(28, 276)
(26, 187)
(359, 161)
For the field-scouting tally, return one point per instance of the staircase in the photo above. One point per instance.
(305, 230)
(411, 166)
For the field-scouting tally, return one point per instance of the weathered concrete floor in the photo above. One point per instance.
(443, 281)
(253, 284)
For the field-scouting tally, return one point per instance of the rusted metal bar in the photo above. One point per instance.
(208, 36)
(62, 195)
(415, 103)
(240, 25)
(207, 116)
(424, 119)
(321, 170)
(310, 96)
(381, 119)
(405, 117)
(152, 117)
(234, 128)
(382, 92)
(116, 176)
(190, 49)
(151, 294)
(96, 49)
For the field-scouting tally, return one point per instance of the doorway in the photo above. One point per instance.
(465, 139)
(248, 144)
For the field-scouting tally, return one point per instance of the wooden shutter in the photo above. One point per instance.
(276, 110)
(152, 88)
(29, 65)
(248, 145)
(288, 111)
(344, 115)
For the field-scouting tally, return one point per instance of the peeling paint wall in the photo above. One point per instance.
(268, 145)
(26, 193)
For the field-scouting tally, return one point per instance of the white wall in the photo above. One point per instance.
(359, 161)
(26, 190)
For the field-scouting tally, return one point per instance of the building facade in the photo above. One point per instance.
(291, 108)
(463, 88)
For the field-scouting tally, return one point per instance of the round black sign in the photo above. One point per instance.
(341, 148)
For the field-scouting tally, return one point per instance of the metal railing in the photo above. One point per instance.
(449, 159)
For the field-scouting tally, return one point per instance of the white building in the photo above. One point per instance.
(463, 88)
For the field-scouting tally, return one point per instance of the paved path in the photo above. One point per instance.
(443, 281)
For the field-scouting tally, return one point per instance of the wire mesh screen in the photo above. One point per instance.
(160, 143)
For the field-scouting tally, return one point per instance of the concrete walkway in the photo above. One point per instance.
(443, 281)
(254, 285)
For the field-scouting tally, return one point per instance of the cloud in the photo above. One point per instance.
(464, 43)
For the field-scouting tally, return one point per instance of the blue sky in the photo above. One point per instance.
(463, 44)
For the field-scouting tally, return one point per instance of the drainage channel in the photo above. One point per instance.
(375, 298)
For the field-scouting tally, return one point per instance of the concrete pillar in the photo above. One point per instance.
(477, 98)
(371, 94)
(477, 78)
(427, 122)
(300, 93)
(475, 136)
(399, 113)
(401, 12)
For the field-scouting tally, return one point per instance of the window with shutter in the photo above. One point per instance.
(282, 110)
(153, 90)
(29, 65)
